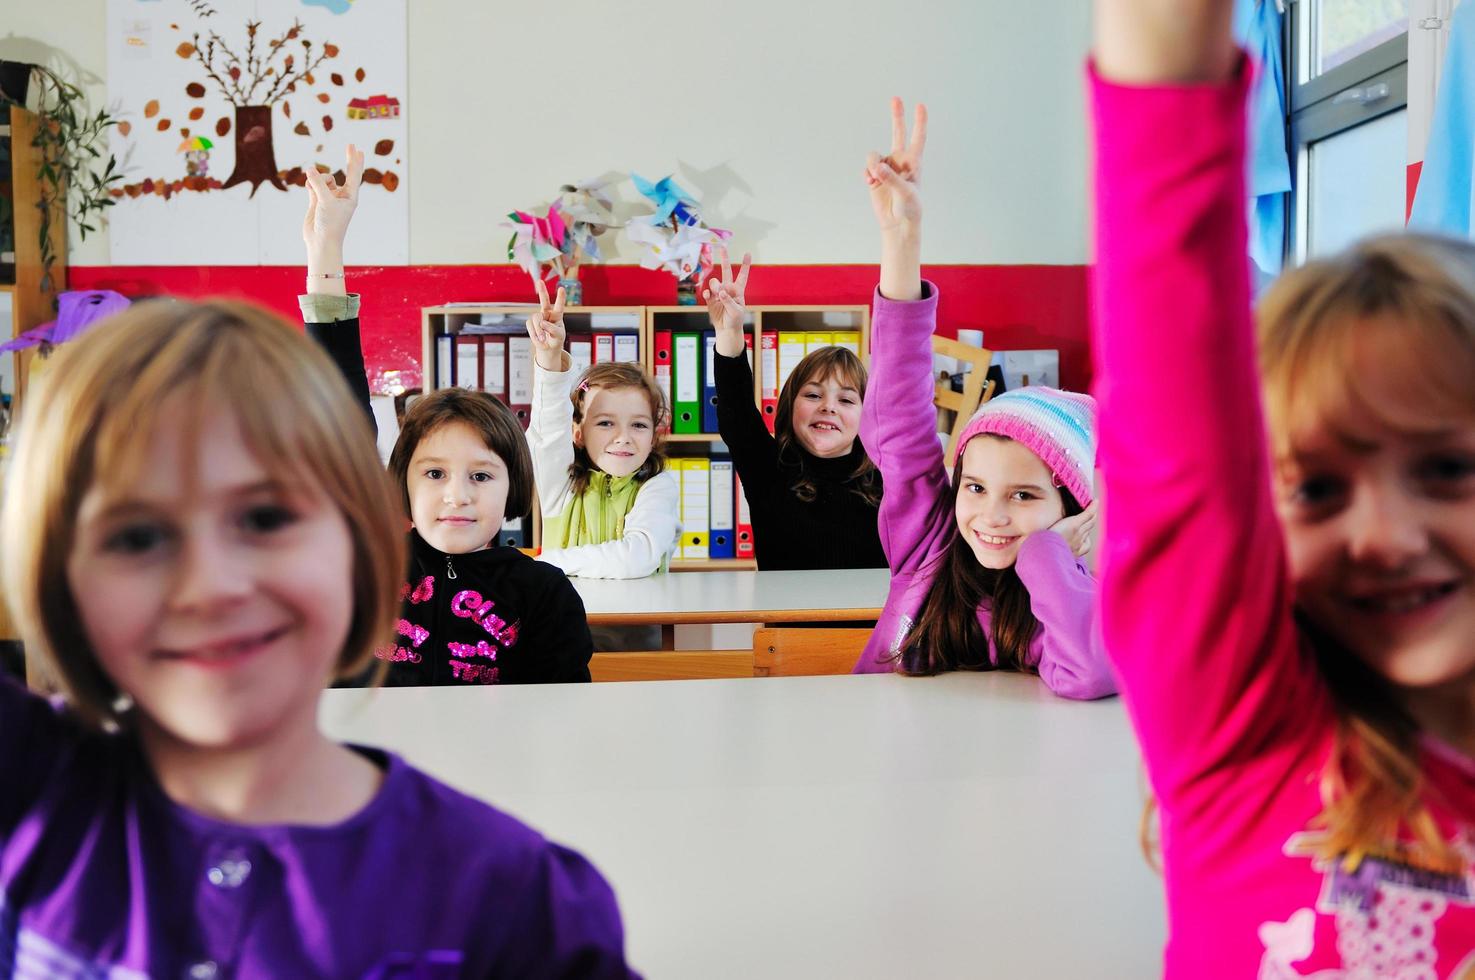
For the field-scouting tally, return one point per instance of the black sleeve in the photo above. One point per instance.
(340, 340)
(559, 631)
(740, 423)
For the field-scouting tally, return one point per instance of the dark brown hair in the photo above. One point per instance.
(947, 635)
(490, 419)
(820, 365)
(619, 374)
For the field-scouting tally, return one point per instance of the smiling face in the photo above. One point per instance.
(217, 597)
(827, 416)
(617, 429)
(1005, 492)
(458, 489)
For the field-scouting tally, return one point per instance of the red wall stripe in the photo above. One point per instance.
(1017, 306)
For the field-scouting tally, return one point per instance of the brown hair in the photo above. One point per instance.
(489, 418)
(92, 417)
(947, 635)
(820, 365)
(619, 374)
(1410, 299)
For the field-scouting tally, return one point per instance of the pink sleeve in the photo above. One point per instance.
(1195, 597)
(898, 426)
(1067, 647)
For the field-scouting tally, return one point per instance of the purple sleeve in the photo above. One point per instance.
(898, 426)
(569, 924)
(1067, 647)
(1196, 607)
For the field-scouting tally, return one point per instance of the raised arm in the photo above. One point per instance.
(899, 420)
(330, 312)
(1195, 600)
(550, 423)
(739, 421)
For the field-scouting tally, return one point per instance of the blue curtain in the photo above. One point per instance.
(1257, 27)
(1442, 202)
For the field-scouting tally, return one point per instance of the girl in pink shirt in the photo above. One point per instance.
(1292, 619)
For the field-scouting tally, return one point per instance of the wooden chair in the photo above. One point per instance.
(671, 665)
(977, 389)
(801, 651)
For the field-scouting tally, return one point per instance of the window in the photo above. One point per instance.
(1348, 120)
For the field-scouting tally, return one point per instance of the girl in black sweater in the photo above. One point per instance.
(812, 492)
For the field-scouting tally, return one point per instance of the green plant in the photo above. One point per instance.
(70, 140)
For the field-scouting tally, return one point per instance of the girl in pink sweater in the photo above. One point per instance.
(1292, 620)
(985, 565)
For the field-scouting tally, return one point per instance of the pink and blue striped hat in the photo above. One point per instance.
(1057, 426)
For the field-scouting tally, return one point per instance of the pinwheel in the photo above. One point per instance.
(670, 200)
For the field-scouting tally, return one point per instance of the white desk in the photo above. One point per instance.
(969, 825)
(736, 597)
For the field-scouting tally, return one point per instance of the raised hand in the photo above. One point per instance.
(894, 178)
(547, 330)
(726, 306)
(1079, 531)
(330, 206)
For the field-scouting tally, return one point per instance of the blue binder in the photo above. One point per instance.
(709, 382)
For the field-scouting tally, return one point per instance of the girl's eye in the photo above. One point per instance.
(1023, 495)
(1447, 468)
(135, 539)
(433, 474)
(267, 518)
(973, 488)
(847, 401)
(642, 425)
(1315, 491)
(481, 477)
(604, 423)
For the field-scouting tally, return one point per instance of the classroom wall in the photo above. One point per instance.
(766, 110)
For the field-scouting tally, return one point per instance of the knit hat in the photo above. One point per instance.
(1057, 426)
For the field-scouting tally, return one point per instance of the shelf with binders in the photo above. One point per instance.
(681, 352)
(485, 346)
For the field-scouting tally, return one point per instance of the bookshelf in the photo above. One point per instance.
(460, 321)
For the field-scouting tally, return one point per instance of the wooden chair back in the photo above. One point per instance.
(801, 651)
(671, 665)
(977, 389)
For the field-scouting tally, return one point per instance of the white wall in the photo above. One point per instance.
(767, 110)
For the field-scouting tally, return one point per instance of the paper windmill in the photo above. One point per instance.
(586, 209)
(670, 200)
(681, 252)
(537, 240)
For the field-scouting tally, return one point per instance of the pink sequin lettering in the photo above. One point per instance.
(469, 604)
(425, 590)
(473, 673)
(466, 650)
(415, 634)
(396, 654)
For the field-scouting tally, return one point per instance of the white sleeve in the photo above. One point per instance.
(550, 436)
(651, 529)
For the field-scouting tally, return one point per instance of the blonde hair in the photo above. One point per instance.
(1406, 303)
(613, 375)
(92, 417)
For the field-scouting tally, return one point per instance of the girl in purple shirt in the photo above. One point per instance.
(198, 537)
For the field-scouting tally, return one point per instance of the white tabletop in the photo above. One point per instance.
(968, 825)
(736, 597)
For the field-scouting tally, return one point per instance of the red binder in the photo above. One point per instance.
(768, 368)
(661, 371)
(745, 546)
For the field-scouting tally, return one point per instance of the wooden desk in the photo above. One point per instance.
(841, 595)
(969, 825)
